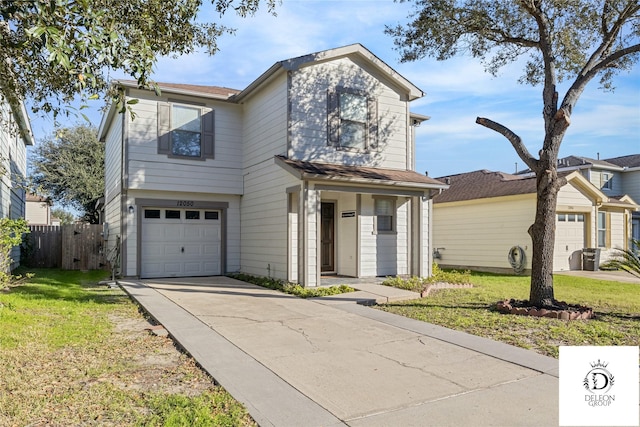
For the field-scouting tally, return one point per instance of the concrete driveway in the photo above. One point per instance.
(321, 362)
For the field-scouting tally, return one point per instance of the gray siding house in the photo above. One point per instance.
(308, 171)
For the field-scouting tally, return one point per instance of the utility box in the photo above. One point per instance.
(591, 259)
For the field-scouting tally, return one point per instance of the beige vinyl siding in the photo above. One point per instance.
(616, 235)
(480, 233)
(37, 213)
(148, 170)
(308, 119)
(631, 184)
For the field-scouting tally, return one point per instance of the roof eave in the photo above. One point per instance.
(363, 181)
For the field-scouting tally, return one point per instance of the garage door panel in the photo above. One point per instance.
(192, 250)
(570, 239)
(180, 247)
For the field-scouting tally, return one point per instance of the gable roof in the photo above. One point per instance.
(484, 184)
(358, 174)
(354, 50)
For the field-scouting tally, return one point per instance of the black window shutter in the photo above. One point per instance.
(333, 118)
(372, 133)
(208, 131)
(164, 128)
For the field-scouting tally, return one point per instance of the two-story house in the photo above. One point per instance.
(308, 171)
(615, 177)
(484, 217)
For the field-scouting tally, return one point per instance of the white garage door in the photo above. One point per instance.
(180, 243)
(569, 241)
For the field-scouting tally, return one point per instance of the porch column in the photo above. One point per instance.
(308, 266)
(422, 257)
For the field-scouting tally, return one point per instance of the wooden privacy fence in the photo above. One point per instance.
(69, 247)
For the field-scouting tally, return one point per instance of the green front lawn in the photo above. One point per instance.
(76, 353)
(617, 306)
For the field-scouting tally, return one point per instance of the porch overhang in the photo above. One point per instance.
(357, 178)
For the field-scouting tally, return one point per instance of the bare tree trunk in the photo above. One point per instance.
(543, 236)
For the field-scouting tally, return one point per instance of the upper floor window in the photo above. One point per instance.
(185, 131)
(352, 120)
(607, 181)
(186, 135)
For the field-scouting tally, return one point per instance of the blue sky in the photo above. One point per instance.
(457, 91)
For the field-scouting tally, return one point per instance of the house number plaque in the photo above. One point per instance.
(185, 203)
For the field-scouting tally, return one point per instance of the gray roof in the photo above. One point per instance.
(615, 163)
(483, 184)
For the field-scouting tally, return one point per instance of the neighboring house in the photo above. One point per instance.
(38, 210)
(307, 171)
(15, 135)
(616, 177)
(484, 214)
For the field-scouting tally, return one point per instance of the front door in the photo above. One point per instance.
(327, 234)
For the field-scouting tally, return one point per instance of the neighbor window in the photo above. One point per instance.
(607, 181)
(602, 229)
(352, 120)
(185, 131)
(384, 215)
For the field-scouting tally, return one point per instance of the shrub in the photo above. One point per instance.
(291, 288)
(419, 284)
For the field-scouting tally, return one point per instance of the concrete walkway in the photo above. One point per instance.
(330, 361)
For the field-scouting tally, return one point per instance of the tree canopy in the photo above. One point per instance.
(54, 50)
(68, 166)
(561, 40)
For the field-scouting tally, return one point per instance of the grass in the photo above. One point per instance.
(75, 353)
(617, 308)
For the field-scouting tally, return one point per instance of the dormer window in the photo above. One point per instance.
(352, 120)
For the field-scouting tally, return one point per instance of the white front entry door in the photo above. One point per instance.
(180, 243)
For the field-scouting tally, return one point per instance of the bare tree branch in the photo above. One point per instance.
(514, 139)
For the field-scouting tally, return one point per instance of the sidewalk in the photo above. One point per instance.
(329, 361)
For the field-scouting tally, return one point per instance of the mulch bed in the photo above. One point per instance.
(561, 310)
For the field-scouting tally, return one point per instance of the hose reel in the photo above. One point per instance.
(517, 259)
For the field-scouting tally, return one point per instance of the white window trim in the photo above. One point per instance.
(394, 216)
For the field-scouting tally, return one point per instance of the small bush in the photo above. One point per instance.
(449, 276)
(419, 284)
(291, 288)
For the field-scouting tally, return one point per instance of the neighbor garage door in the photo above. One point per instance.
(570, 240)
(180, 243)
